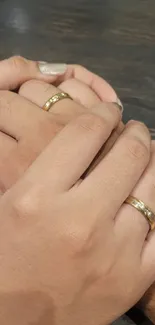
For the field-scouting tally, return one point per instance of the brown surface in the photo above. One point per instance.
(115, 38)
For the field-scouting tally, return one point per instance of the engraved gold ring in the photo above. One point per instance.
(54, 99)
(144, 209)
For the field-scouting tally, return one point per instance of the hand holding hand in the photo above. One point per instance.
(72, 246)
(27, 130)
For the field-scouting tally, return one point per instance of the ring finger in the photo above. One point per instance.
(40, 92)
(129, 219)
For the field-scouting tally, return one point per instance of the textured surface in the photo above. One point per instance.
(115, 38)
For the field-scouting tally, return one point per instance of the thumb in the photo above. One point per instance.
(17, 70)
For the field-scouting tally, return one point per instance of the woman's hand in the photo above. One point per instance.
(68, 242)
(17, 70)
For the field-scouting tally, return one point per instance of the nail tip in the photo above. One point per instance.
(52, 69)
(119, 103)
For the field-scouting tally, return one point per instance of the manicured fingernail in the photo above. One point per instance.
(52, 69)
(120, 105)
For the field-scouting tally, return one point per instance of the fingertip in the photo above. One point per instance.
(52, 69)
(17, 70)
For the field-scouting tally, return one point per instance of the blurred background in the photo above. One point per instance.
(114, 38)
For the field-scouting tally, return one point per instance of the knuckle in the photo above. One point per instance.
(92, 123)
(45, 130)
(26, 86)
(79, 240)
(137, 149)
(35, 85)
(18, 62)
(26, 204)
(22, 206)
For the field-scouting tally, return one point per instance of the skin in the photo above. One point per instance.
(28, 91)
(49, 206)
(86, 89)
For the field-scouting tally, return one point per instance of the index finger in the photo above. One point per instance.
(17, 70)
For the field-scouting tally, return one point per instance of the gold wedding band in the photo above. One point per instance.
(54, 99)
(144, 209)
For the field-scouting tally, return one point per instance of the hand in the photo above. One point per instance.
(29, 90)
(22, 70)
(31, 141)
(15, 71)
(83, 270)
(18, 70)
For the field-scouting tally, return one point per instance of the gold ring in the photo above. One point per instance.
(54, 99)
(144, 209)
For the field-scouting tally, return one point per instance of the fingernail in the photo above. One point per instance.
(52, 69)
(119, 104)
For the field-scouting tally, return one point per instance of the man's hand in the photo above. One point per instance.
(65, 245)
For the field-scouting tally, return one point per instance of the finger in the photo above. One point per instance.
(39, 92)
(129, 220)
(102, 89)
(80, 92)
(120, 170)
(7, 145)
(146, 193)
(17, 70)
(73, 149)
(31, 127)
(25, 131)
(106, 148)
(16, 157)
(18, 116)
